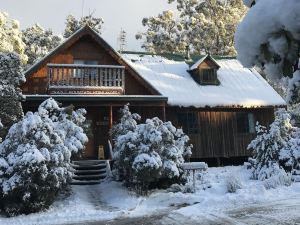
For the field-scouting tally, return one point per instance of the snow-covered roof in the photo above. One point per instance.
(239, 86)
(196, 64)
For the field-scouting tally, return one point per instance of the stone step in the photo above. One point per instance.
(90, 172)
(80, 182)
(89, 177)
(89, 167)
(89, 162)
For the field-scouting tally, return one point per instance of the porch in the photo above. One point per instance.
(102, 113)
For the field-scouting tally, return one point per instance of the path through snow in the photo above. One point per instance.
(276, 213)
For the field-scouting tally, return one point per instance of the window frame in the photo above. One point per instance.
(245, 123)
(206, 73)
(189, 122)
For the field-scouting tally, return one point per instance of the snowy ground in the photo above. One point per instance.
(110, 203)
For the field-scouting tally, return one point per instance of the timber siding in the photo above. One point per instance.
(217, 134)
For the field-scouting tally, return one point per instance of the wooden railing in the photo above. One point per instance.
(77, 75)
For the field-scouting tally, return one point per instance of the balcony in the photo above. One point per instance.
(86, 79)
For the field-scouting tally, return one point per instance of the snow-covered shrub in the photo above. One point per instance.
(35, 157)
(149, 154)
(233, 183)
(277, 178)
(290, 155)
(123, 133)
(11, 78)
(268, 144)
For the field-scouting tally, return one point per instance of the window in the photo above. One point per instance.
(208, 76)
(245, 122)
(189, 122)
(85, 72)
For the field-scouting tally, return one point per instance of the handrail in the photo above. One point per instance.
(85, 65)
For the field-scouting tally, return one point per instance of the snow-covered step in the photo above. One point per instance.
(99, 171)
(84, 182)
(88, 172)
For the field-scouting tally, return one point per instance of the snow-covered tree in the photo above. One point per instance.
(39, 42)
(268, 145)
(204, 26)
(11, 37)
(150, 153)
(268, 37)
(163, 34)
(73, 24)
(35, 158)
(123, 132)
(11, 78)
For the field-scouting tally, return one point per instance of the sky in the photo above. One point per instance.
(117, 15)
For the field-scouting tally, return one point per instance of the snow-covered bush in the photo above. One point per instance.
(35, 157)
(149, 154)
(278, 178)
(233, 183)
(268, 144)
(11, 78)
(122, 133)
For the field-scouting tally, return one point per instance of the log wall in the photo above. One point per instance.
(217, 135)
(86, 49)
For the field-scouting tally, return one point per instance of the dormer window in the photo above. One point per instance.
(208, 76)
(204, 71)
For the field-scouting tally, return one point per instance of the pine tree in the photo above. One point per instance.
(268, 145)
(39, 42)
(11, 78)
(73, 24)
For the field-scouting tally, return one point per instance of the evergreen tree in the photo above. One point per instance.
(204, 26)
(268, 145)
(73, 24)
(149, 154)
(35, 158)
(11, 37)
(11, 78)
(39, 42)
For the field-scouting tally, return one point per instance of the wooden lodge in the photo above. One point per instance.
(215, 101)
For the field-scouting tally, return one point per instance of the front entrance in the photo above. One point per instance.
(100, 123)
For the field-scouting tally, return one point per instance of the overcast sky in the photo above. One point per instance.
(117, 14)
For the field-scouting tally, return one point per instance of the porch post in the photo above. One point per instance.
(164, 112)
(110, 126)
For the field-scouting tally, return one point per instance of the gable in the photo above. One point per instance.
(84, 44)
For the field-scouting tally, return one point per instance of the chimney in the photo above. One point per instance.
(187, 53)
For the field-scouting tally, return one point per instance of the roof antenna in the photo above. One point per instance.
(82, 8)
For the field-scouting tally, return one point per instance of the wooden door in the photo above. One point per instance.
(101, 135)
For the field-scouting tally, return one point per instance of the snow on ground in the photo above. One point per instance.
(111, 200)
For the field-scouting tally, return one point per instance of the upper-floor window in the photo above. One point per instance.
(245, 122)
(82, 72)
(208, 76)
